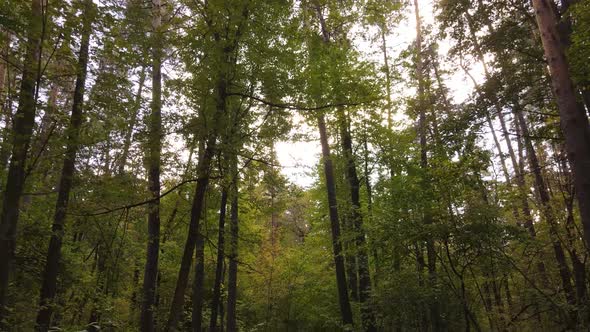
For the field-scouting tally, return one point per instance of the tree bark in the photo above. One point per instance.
(198, 284)
(387, 75)
(203, 174)
(194, 227)
(574, 123)
(49, 286)
(5, 107)
(215, 300)
(345, 309)
(23, 127)
(367, 316)
(422, 128)
(232, 277)
(150, 276)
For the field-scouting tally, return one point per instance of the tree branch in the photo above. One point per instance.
(296, 107)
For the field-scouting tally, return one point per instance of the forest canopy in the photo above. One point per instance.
(294, 165)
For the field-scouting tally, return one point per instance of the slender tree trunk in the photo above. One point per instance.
(368, 317)
(221, 302)
(22, 130)
(150, 276)
(345, 309)
(232, 277)
(350, 259)
(430, 247)
(6, 107)
(49, 286)
(522, 184)
(198, 282)
(132, 122)
(4, 49)
(194, 228)
(215, 300)
(203, 174)
(480, 57)
(574, 123)
(367, 178)
(387, 74)
(586, 98)
(228, 60)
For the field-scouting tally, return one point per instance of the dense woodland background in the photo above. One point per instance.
(141, 188)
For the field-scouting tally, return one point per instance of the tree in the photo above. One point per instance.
(48, 289)
(23, 127)
(153, 164)
(574, 123)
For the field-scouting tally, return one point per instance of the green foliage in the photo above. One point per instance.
(444, 228)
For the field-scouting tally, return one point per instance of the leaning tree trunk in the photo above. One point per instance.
(49, 287)
(574, 123)
(150, 276)
(24, 121)
(189, 247)
(203, 174)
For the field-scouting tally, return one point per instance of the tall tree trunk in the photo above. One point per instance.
(574, 123)
(199, 279)
(350, 259)
(585, 92)
(198, 284)
(368, 317)
(5, 107)
(488, 76)
(215, 300)
(22, 130)
(197, 291)
(227, 59)
(194, 228)
(422, 127)
(523, 191)
(387, 74)
(232, 277)
(49, 286)
(203, 174)
(345, 309)
(150, 276)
